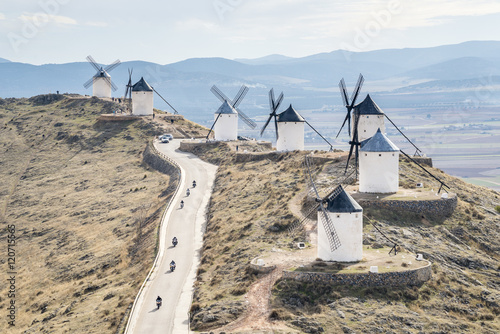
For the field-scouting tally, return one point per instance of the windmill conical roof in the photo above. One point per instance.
(142, 86)
(368, 107)
(378, 143)
(225, 108)
(290, 115)
(343, 202)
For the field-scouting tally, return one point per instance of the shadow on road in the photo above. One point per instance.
(154, 310)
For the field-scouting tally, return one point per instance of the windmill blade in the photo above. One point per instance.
(345, 120)
(93, 63)
(331, 234)
(112, 66)
(278, 101)
(343, 92)
(271, 101)
(331, 146)
(113, 86)
(220, 95)
(213, 125)
(276, 127)
(307, 164)
(89, 83)
(240, 96)
(265, 125)
(353, 142)
(418, 150)
(355, 94)
(246, 119)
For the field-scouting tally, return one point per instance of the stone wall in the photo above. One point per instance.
(261, 269)
(436, 208)
(400, 278)
(425, 161)
(160, 162)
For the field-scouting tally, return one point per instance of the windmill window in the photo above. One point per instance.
(365, 130)
(366, 155)
(393, 154)
(380, 155)
(338, 216)
(356, 215)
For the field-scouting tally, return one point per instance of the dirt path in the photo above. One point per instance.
(256, 318)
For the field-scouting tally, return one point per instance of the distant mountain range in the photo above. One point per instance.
(394, 78)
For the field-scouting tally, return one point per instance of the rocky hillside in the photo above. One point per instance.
(251, 208)
(83, 209)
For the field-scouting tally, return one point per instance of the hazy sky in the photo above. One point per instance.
(165, 31)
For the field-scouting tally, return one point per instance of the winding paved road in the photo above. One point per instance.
(187, 224)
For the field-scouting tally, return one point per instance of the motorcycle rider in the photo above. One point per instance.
(172, 265)
(182, 204)
(174, 241)
(187, 192)
(194, 183)
(158, 302)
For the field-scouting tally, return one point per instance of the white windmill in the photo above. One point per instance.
(142, 98)
(371, 118)
(101, 81)
(226, 117)
(291, 130)
(340, 223)
(378, 165)
(289, 126)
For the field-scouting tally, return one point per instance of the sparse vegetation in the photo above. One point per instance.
(464, 250)
(85, 242)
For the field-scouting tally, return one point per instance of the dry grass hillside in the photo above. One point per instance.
(85, 210)
(250, 210)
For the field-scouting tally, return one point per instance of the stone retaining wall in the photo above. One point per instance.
(422, 160)
(402, 278)
(160, 163)
(117, 118)
(436, 208)
(261, 269)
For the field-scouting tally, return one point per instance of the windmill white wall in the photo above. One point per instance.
(142, 103)
(378, 165)
(142, 98)
(226, 127)
(290, 130)
(347, 218)
(101, 87)
(291, 136)
(368, 126)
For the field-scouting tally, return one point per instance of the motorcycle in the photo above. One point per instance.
(172, 267)
(174, 242)
(182, 204)
(158, 303)
(194, 184)
(188, 192)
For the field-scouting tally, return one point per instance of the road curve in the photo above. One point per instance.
(187, 224)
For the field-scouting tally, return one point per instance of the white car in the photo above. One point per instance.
(168, 136)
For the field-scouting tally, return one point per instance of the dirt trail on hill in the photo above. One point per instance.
(257, 315)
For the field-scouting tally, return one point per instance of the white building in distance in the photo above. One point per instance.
(347, 218)
(226, 126)
(371, 118)
(101, 85)
(378, 165)
(142, 98)
(290, 130)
